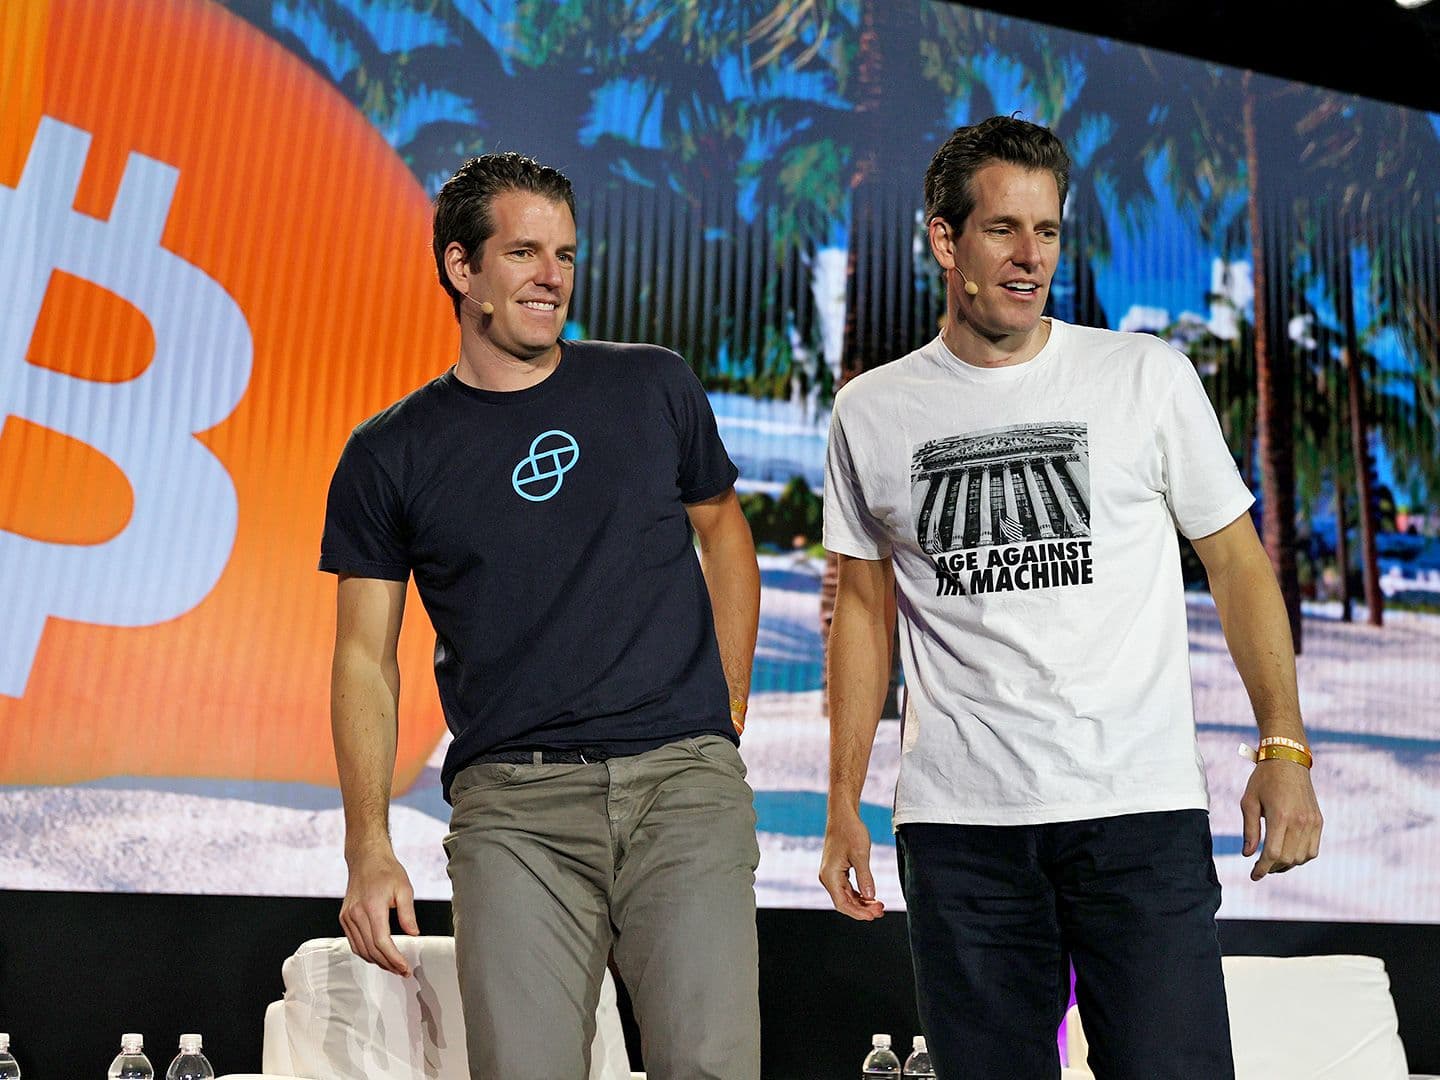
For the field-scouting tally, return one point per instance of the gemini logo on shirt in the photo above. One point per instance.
(1005, 509)
(540, 474)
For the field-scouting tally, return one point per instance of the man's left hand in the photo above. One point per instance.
(1281, 793)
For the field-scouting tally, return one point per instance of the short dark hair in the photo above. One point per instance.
(948, 191)
(462, 205)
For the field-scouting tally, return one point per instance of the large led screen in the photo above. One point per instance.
(214, 226)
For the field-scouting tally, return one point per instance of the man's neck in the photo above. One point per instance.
(979, 350)
(485, 367)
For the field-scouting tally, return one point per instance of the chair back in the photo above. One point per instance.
(1301, 1018)
(344, 1019)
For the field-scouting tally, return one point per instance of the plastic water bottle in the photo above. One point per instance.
(190, 1063)
(8, 1069)
(917, 1065)
(131, 1063)
(881, 1061)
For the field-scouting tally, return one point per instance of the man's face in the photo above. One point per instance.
(527, 271)
(1008, 246)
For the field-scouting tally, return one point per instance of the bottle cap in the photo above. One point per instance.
(190, 1044)
(881, 1041)
(132, 1042)
(919, 1045)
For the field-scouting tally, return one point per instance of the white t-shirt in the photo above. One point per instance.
(1030, 512)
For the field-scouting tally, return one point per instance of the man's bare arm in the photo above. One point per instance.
(1257, 632)
(364, 703)
(858, 675)
(732, 577)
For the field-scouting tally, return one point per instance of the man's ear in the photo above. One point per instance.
(457, 266)
(942, 242)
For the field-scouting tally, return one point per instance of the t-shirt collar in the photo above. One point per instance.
(940, 353)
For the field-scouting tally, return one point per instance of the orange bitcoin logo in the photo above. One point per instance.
(214, 268)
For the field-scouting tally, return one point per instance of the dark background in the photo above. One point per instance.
(1370, 47)
(77, 969)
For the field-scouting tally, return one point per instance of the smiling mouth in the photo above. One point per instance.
(1022, 288)
(545, 306)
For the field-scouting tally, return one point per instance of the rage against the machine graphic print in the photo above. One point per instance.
(1005, 509)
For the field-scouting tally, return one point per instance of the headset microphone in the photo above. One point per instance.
(971, 289)
(485, 306)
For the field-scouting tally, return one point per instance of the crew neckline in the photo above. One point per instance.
(560, 374)
(952, 363)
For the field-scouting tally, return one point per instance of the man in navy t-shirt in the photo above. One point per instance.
(593, 672)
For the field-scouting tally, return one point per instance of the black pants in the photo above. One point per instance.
(999, 913)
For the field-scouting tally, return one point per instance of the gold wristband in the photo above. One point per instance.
(738, 708)
(1284, 753)
(1278, 740)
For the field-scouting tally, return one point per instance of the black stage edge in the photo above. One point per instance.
(78, 969)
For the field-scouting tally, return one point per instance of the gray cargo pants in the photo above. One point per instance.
(554, 865)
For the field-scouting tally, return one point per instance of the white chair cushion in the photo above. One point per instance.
(1302, 1018)
(275, 1049)
(1317, 1017)
(345, 1019)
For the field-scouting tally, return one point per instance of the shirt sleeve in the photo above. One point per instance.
(705, 468)
(1203, 487)
(850, 528)
(364, 533)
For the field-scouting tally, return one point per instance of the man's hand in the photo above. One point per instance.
(378, 883)
(1281, 793)
(847, 847)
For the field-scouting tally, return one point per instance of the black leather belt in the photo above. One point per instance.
(542, 757)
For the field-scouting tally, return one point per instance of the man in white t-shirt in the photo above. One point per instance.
(1014, 488)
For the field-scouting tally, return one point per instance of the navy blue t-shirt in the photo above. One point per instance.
(547, 532)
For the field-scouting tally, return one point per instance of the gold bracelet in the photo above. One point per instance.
(1277, 740)
(738, 708)
(1284, 753)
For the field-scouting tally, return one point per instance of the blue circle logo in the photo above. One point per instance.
(539, 476)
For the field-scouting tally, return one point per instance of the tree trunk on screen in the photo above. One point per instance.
(1342, 543)
(864, 347)
(1359, 440)
(1275, 394)
(1364, 491)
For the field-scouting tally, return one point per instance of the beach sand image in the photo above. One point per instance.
(1365, 691)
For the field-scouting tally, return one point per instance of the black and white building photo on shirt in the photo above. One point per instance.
(1004, 485)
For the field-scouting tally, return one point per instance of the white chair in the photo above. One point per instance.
(344, 1019)
(1300, 1018)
